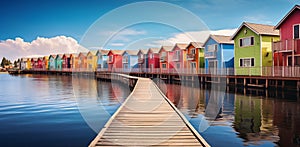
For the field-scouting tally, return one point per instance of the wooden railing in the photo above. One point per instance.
(278, 71)
(286, 45)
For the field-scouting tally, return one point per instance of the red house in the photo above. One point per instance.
(165, 58)
(66, 61)
(36, 63)
(114, 59)
(287, 50)
(153, 58)
(179, 56)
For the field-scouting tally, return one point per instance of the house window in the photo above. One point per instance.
(151, 56)
(193, 51)
(296, 61)
(177, 54)
(164, 65)
(249, 41)
(212, 48)
(178, 65)
(247, 62)
(90, 57)
(296, 31)
(110, 58)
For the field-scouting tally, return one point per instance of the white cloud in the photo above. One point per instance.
(197, 36)
(260, 19)
(18, 48)
(117, 44)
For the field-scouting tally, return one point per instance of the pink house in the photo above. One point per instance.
(179, 56)
(287, 50)
(153, 58)
(165, 58)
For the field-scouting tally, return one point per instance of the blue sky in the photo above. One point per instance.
(29, 19)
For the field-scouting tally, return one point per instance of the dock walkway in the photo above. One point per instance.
(148, 118)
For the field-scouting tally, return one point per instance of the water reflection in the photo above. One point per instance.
(245, 117)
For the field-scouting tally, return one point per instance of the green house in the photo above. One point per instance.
(253, 49)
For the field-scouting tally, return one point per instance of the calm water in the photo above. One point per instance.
(41, 110)
(251, 118)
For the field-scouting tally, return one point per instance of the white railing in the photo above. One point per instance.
(246, 71)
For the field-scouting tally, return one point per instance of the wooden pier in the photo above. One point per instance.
(147, 118)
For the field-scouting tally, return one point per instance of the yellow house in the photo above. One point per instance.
(92, 60)
(45, 62)
(28, 64)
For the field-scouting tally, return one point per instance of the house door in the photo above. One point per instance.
(151, 67)
(212, 65)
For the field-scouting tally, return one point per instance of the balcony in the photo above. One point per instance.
(286, 45)
(163, 59)
(141, 60)
(210, 55)
(176, 58)
(190, 57)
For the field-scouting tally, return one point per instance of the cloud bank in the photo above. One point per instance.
(18, 48)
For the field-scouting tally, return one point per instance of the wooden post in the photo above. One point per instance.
(267, 83)
(245, 82)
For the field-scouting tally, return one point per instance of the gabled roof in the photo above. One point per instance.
(54, 56)
(296, 7)
(116, 52)
(259, 29)
(83, 53)
(166, 48)
(144, 51)
(67, 55)
(196, 44)
(24, 59)
(93, 52)
(181, 46)
(222, 39)
(102, 52)
(131, 52)
(154, 50)
(59, 55)
(74, 54)
(34, 59)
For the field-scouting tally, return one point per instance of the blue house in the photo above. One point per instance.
(219, 54)
(102, 56)
(130, 59)
(52, 62)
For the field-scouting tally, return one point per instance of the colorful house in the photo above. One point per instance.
(40, 63)
(23, 63)
(153, 58)
(195, 56)
(102, 58)
(92, 60)
(66, 61)
(82, 61)
(114, 59)
(165, 57)
(142, 59)
(28, 64)
(253, 48)
(74, 61)
(52, 62)
(219, 54)
(287, 50)
(130, 59)
(34, 63)
(59, 61)
(46, 62)
(179, 56)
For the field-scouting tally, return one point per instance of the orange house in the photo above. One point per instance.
(195, 56)
(165, 57)
(82, 61)
(179, 56)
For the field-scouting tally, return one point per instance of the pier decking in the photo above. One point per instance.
(147, 118)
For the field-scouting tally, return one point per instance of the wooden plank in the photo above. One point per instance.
(147, 118)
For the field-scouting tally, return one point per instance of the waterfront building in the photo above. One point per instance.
(165, 57)
(46, 62)
(114, 59)
(195, 56)
(143, 59)
(66, 61)
(52, 62)
(82, 61)
(59, 61)
(179, 56)
(34, 63)
(253, 49)
(219, 54)
(92, 60)
(102, 58)
(23, 64)
(153, 58)
(74, 61)
(287, 49)
(130, 59)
